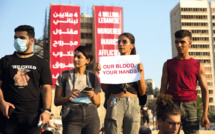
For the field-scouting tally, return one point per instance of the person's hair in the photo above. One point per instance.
(132, 40)
(183, 33)
(47, 132)
(52, 115)
(27, 28)
(165, 106)
(144, 130)
(85, 50)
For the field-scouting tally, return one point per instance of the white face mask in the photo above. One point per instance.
(20, 45)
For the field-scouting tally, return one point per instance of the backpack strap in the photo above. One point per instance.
(92, 79)
(65, 77)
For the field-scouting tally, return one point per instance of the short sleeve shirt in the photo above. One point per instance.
(24, 78)
(81, 81)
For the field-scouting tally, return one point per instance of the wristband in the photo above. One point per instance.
(47, 110)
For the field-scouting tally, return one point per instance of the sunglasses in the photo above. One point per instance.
(123, 41)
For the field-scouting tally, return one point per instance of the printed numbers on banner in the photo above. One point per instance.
(76, 14)
(100, 14)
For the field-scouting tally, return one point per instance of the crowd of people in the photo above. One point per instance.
(25, 95)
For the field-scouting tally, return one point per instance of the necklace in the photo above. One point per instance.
(25, 53)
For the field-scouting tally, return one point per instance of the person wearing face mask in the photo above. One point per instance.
(25, 87)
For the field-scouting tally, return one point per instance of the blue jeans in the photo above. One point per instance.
(82, 119)
(125, 114)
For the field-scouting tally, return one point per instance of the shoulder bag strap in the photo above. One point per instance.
(65, 77)
(92, 79)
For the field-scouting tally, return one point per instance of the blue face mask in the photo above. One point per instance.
(20, 45)
(81, 100)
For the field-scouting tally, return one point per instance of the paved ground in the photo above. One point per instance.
(201, 132)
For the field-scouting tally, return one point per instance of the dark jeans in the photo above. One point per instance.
(25, 124)
(82, 119)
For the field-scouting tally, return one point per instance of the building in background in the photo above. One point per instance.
(42, 49)
(150, 83)
(107, 14)
(87, 37)
(198, 17)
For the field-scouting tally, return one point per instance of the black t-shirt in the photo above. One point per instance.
(22, 87)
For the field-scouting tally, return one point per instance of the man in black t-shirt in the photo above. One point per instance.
(25, 86)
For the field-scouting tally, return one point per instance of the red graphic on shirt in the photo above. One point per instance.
(21, 78)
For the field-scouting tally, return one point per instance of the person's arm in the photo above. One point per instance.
(47, 99)
(141, 82)
(56, 125)
(95, 98)
(4, 106)
(59, 100)
(205, 96)
(98, 69)
(104, 87)
(50, 124)
(164, 79)
(141, 112)
(93, 95)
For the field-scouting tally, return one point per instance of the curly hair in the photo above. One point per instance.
(165, 106)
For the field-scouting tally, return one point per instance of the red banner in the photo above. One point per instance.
(64, 37)
(108, 26)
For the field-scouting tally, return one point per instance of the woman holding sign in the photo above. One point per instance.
(123, 109)
(78, 91)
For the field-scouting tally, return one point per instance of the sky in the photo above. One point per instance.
(147, 20)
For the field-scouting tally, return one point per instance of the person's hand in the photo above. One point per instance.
(74, 94)
(4, 107)
(140, 67)
(205, 121)
(90, 93)
(55, 127)
(44, 117)
(98, 67)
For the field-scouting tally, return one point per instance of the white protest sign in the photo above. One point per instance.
(119, 69)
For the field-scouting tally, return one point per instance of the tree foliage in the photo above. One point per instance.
(199, 107)
(151, 104)
(149, 90)
(156, 92)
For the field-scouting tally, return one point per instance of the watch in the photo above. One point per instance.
(47, 109)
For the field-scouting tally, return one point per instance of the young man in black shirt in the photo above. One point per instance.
(25, 86)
